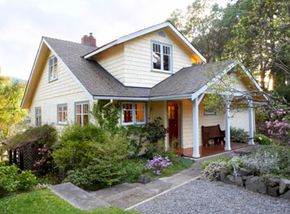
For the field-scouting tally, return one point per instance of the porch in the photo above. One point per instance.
(208, 151)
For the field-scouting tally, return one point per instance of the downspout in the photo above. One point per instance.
(109, 103)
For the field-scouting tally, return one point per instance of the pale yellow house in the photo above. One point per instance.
(154, 72)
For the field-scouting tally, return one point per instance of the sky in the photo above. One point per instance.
(24, 22)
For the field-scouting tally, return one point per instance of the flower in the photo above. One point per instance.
(158, 163)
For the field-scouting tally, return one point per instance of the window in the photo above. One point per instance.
(133, 113)
(209, 111)
(37, 116)
(82, 113)
(62, 114)
(52, 68)
(161, 57)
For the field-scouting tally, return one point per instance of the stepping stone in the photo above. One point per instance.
(78, 197)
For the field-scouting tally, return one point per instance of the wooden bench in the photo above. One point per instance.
(212, 133)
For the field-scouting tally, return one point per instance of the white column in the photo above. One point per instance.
(251, 121)
(228, 124)
(195, 128)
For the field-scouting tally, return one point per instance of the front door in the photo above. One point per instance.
(173, 124)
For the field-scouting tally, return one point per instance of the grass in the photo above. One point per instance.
(44, 202)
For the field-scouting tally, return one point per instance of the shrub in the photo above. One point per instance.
(204, 164)
(212, 171)
(135, 137)
(269, 159)
(158, 163)
(12, 179)
(154, 131)
(262, 139)
(239, 135)
(93, 157)
(133, 168)
(153, 149)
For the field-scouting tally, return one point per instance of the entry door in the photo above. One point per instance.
(173, 123)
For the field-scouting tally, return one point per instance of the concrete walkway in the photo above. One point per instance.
(128, 195)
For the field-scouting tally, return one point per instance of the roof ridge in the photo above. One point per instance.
(77, 43)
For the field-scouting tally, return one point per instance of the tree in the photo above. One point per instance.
(11, 115)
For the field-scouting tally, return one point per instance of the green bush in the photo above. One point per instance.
(133, 169)
(213, 169)
(91, 157)
(262, 139)
(205, 164)
(239, 135)
(12, 179)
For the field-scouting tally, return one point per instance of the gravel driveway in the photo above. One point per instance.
(214, 197)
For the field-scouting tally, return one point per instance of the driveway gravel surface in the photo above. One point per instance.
(201, 196)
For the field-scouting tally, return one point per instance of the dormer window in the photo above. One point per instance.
(52, 69)
(161, 57)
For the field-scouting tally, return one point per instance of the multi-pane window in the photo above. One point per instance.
(161, 57)
(37, 116)
(52, 68)
(82, 113)
(133, 113)
(62, 114)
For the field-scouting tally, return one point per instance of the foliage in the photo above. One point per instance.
(272, 159)
(92, 157)
(107, 115)
(135, 137)
(11, 114)
(154, 131)
(262, 139)
(205, 163)
(153, 149)
(133, 169)
(239, 135)
(158, 163)
(213, 169)
(44, 201)
(278, 124)
(12, 179)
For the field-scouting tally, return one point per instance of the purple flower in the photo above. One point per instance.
(158, 163)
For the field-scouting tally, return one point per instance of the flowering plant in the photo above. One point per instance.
(278, 124)
(158, 163)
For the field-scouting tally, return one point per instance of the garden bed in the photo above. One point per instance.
(265, 171)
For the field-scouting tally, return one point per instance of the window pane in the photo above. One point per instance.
(60, 116)
(79, 119)
(166, 63)
(127, 113)
(85, 108)
(140, 112)
(78, 110)
(86, 119)
(156, 56)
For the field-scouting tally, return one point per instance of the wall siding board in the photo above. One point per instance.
(49, 94)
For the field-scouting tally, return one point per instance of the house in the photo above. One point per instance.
(154, 72)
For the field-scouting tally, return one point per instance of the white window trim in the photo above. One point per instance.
(54, 67)
(62, 107)
(82, 111)
(37, 116)
(161, 55)
(133, 114)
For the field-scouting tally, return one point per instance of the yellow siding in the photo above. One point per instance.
(113, 61)
(137, 54)
(48, 95)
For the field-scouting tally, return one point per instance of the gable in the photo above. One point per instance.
(165, 25)
(38, 86)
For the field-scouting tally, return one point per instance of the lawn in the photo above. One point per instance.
(44, 202)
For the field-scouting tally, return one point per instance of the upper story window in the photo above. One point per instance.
(52, 69)
(62, 114)
(82, 113)
(161, 57)
(38, 116)
(133, 113)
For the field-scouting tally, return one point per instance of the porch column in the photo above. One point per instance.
(251, 121)
(227, 121)
(195, 128)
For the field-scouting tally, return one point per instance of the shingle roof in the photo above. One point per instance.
(100, 82)
(188, 80)
(92, 75)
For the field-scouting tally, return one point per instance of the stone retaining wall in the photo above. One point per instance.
(277, 187)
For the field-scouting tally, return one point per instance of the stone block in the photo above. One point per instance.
(256, 184)
(273, 182)
(286, 195)
(239, 181)
(273, 191)
(144, 179)
(244, 172)
(284, 185)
